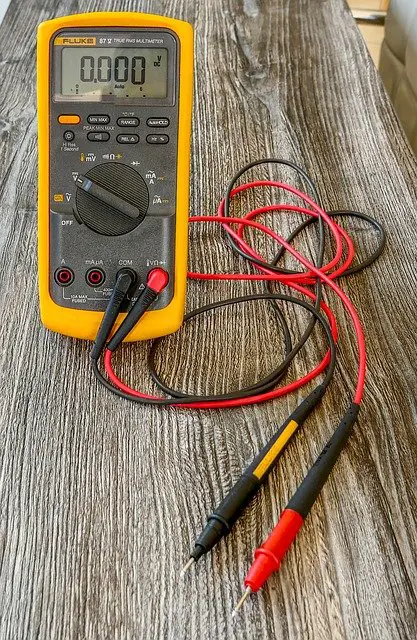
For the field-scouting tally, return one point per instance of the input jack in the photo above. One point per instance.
(64, 276)
(95, 277)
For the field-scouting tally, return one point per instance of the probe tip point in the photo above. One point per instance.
(247, 593)
(186, 566)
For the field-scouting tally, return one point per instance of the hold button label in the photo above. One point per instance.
(157, 122)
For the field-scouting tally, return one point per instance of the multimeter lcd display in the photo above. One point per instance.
(123, 73)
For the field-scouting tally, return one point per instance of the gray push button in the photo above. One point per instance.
(98, 119)
(127, 138)
(128, 122)
(98, 136)
(157, 139)
(157, 122)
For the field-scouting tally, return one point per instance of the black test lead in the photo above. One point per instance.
(225, 515)
(269, 556)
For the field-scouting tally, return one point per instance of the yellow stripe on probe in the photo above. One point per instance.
(275, 450)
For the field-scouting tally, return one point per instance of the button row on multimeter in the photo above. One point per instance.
(129, 122)
(123, 138)
(102, 118)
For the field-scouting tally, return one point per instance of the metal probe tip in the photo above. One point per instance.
(247, 593)
(186, 566)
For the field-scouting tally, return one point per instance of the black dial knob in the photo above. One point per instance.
(112, 198)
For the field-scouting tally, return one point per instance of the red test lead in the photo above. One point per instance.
(310, 283)
(269, 556)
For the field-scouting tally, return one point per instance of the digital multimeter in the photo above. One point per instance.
(114, 116)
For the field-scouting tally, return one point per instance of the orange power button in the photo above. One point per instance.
(68, 119)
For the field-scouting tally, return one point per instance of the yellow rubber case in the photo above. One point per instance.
(81, 323)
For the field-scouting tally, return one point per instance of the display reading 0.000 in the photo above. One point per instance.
(124, 73)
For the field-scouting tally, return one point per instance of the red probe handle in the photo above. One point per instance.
(268, 557)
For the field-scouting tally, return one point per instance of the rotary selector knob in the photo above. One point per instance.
(111, 199)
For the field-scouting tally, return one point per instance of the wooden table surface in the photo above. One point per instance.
(100, 499)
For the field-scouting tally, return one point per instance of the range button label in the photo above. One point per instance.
(128, 122)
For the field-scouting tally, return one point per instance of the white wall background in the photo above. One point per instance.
(3, 7)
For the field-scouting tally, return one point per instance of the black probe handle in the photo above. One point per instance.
(142, 304)
(123, 283)
(225, 515)
(299, 415)
(309, 489)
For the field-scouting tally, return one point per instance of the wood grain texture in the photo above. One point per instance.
(92, 487)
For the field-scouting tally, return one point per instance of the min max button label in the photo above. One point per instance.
(98, 119)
